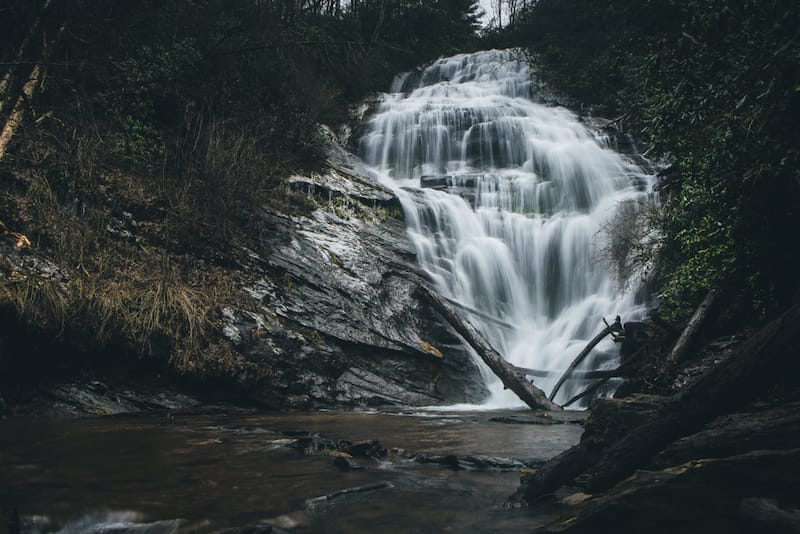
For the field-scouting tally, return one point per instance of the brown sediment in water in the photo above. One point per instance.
(233, 469)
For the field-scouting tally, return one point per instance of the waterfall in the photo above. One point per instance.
(504, 199)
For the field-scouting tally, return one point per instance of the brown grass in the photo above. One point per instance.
(40, 301)
(134, 292)
(158, 292)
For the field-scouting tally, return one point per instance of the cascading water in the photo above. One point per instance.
(513, 196)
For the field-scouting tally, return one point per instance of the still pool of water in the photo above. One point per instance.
(204, 472)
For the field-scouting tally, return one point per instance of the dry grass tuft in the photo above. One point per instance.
(40, 301)
(119, 291)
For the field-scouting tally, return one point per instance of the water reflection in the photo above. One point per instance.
(214, 471)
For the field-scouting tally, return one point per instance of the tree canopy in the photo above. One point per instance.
(215, 100)
(284, 63)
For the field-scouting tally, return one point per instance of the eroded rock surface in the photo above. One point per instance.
(338, 320)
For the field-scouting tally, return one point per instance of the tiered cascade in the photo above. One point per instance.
(504, 198)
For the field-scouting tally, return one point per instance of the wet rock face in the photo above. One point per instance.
(339, 320)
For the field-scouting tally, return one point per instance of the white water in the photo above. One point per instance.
(541, 185)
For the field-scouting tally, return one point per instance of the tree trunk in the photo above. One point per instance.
(692, 332)
(377, 31)
(527, 392)
(6, 81)
(14, 120)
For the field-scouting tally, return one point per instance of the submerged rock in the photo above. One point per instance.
(113, 523)
(347, 464)
(470, 463)
(543, 419)
(367, 449)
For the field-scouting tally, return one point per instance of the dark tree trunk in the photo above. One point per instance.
(507, 373)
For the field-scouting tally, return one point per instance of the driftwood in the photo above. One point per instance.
(747, 371)
(614, 327)
(527, 392)
(316, 501)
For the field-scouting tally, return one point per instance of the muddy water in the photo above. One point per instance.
(205, 472)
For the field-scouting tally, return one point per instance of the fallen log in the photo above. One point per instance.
(775, 427)
(605, 376)
(588, 391)
(612, 328)
(610, 419)
(527, 392)
(748, 492)
(723, 388)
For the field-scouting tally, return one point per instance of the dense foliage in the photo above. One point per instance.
(148, 135)
(713, 87)
(145, 65)
(216, 99)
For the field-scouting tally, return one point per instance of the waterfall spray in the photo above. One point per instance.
(504, 198)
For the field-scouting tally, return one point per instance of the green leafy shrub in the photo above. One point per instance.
(137, 145)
